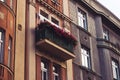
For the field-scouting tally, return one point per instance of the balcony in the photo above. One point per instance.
(102, 43)
(55, 40)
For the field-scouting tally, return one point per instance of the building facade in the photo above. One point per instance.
(47, 49)
(7, 39)
(58, 40)
(97, 33)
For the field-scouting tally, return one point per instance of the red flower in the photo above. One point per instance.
(62, 32)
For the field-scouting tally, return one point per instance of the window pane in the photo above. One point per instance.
(44, 14)
(55, 21)
(1, 46)
(85, 58)
(105, 34)
(11, 3)
(82, 22)
(45, 76)
(115, 70)
(56, 72)
(9, 51)
(2, 0)
(44, 70)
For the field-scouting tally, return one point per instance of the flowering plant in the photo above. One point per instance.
(60, 31)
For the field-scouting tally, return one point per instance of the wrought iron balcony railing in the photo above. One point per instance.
(56, 35)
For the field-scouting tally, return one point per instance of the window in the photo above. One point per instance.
(44, 70)
(11, 3)
(115, 69)
(2, 0)
(55, 72)
(9, 51)
(55, 2)
(48, 70)
(85, 57)
(44, 14)
(1, 45)
(105, 34)
(82, 20)
(54, 21)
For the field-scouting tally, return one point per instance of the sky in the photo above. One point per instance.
(112, 5)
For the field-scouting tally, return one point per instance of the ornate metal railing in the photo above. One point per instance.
(56, 35)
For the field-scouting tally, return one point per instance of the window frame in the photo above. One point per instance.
(51, 69)
(86, 57)
(45, 70)
(115, 67)
(11, 3)
(82, 19)
(56, 71)
(53, 19)
(9, 51)
(2, 43)
(44, 14)
(105, 34)
(2, 0)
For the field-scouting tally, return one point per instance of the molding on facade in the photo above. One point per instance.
(100, 9)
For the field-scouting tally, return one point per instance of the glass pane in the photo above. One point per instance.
(11, 3)
(44, 14)
(85, 58)
(44, 71)
(82, 19)
(45, 76)
(115, 70)
(9, 51)
(56, 77)
(1, 46)
(105, 34)
(56, 72)
(85, 61)
(2, 0)
(55, 21)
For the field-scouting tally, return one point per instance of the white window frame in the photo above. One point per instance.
(44, 70)
(105, 34)
(55, 20)
(11, 3)
(9, 51)
(1, 46)
(2, 0)
(85, 56)
(43, 19)
(82, 20)
(115, 70)
(55, 74)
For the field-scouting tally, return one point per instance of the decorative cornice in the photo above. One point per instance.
(102, 43)
(111, 17)
(101, 10)
(89, 70)
(58, 13)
